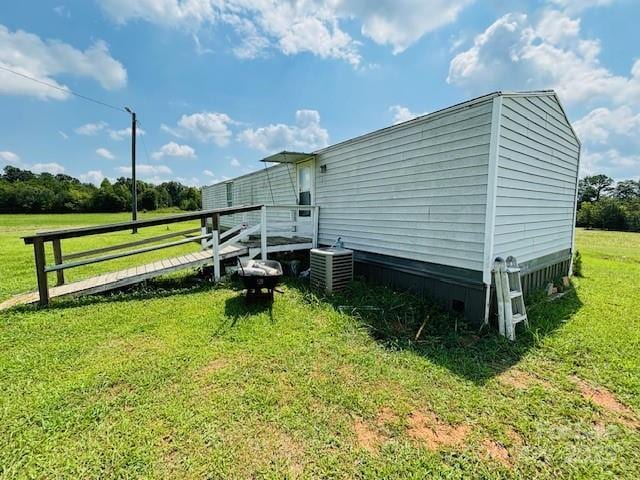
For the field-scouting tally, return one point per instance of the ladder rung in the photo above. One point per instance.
(515, 294)
(518, 317)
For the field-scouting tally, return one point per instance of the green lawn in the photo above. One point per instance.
(181, 380)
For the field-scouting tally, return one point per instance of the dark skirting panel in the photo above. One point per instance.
(455, 289)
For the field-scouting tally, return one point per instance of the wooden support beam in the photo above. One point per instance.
(41, 275)
(57, 257)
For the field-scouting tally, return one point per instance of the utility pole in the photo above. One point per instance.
(134, 189)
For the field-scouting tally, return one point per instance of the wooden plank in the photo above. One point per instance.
(57, 257)
(41, 274)
(116, 227)
(119, 255)
(88, 253)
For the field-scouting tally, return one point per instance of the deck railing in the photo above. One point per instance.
(203, 234)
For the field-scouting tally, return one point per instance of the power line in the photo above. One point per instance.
(144, 144)
(66, 90)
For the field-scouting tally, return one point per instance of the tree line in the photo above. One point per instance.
(603, 203)
(22, 191)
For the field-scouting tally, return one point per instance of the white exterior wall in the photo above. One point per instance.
(415, 191)
(253, 189)
(536, 179)
(424, 190)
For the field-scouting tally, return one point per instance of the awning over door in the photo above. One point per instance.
(289, 157)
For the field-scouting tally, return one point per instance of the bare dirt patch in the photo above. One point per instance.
(521, 380)
(498, 452)
(213, 366)
(117, 389)
(367, 437)
(516, 439)
(516, 379)
(434, 433)
(386, 416)
(607, 401)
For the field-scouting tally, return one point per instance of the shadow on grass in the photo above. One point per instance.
(394, 319)
(236, 308)
(159, 287)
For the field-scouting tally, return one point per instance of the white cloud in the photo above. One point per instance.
(10, 157)
(234, 162)
(602, 123)
(574, 6)
(104, 153)
(92, 176)
(91, 128)
(192, 181)
(516, 53)
(208, 173)
(62, 11)
(63, 135)
(173, 149)
(123, 133)
(204, 126)
(403, 114)
(292, 27)
(611, 162)
(53, 168)
(45, 60)
(146, 171)
(306, 134)
(400, 23)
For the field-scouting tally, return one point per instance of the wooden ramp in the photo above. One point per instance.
(239, 240)
(123, 278)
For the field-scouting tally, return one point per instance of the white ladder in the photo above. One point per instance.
(511, 309)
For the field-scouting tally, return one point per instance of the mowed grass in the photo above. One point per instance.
(179, 379)
(17, 266)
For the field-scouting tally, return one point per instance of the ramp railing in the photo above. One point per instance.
(204, 235)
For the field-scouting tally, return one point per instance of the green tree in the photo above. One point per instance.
(148, 200)
(627, 190)
(591, 188)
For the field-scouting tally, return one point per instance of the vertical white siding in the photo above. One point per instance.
(415, 191)
(537, 169)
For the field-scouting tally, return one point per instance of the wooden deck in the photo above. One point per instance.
(133, 275)
(244, 240)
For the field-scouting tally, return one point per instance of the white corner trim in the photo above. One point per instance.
(492, 187)
(575, 212)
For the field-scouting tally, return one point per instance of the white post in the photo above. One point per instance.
(203, 242)
(215, 246)
(315, 215)
(498, 278)
(263, 233)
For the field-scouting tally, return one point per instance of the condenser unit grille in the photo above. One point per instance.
(331, 268)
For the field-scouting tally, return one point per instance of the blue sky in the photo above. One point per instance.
(220, 84)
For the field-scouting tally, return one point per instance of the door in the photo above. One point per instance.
(306, 187)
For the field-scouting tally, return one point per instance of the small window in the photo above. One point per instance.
(230, 194)
(305, 172)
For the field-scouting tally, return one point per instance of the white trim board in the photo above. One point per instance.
(492, 188)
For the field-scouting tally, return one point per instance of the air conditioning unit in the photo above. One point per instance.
(331, 268)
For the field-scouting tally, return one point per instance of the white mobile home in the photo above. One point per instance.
(428, 204)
